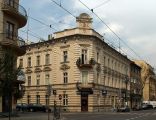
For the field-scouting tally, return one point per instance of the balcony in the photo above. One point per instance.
(10, 40)
(85, 88)
(85, 64)
(15, 10)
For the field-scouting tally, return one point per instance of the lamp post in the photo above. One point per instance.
(49, 89)
(126, 82)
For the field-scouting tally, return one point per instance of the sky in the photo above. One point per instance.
(133, 21)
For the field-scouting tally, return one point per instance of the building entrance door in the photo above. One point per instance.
(84, 103)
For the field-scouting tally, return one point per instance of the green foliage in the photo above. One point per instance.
(8, 74)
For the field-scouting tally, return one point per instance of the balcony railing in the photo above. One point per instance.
(13, 41)
(20, 41)
(86, 88)
(9, 38)
(15, 6)
(15, 9)
(85, 64)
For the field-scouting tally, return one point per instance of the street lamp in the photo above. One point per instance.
(49, 89)
(126, 91)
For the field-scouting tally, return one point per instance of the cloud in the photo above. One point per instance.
(132, 20)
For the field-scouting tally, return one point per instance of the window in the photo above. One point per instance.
(112, 64)
(37, 60)
(47, 59)
(108, 81)
(9, 30)
(104, 78)
(21, 62)
(84, 77)
(84, 56)
(65, 99)
(98, 80)
(108, 62)
(47, 78)
(29, 80)
(65, 77)
(10, 2)
(115, 65)
(37, 79)
(65, 56)
(104, 61)
(29, 62)
(28, 99)
(97, 57)
(47, 99)
(37, 99)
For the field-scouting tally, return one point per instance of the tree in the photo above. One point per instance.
(9, 86)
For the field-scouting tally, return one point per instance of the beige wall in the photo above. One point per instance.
(68, 40)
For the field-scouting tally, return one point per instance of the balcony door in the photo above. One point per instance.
(84, 77)
(84, 56)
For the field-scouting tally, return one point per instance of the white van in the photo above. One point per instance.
(153, 103)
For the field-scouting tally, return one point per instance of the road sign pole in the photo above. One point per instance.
(49, 89)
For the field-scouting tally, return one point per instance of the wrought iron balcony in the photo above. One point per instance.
(15, 10)
(86, 88)
(85, 64)
(85, 85)
(11, 40)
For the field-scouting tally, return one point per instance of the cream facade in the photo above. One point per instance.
(12, 17)
(148, 81)
(80, 67)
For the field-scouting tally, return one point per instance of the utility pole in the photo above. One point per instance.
(49, 89)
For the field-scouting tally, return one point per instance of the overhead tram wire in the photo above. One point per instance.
(109, 28)
(75, 16)
(45, 25)
(60, 5)
(39, 38)
(105, 2)
(50, 26)
(63, 8)
(36, 36)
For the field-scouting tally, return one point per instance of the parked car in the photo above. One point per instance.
(22, 107)
(38, 107)
(147, 106)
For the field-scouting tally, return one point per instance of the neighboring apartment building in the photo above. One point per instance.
(12, 17)
(80, 66)
(148, 81)
(135, 86)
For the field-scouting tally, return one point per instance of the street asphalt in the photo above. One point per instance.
(133, 115)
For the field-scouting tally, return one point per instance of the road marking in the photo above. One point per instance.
(142, 115)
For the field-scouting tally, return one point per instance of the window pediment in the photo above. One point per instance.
(38, 70)
(47, 69)
(28, 71)
(64, 67)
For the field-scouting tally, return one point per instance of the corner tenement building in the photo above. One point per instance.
(80, 66)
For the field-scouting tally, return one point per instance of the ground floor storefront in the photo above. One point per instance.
(74, 98)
